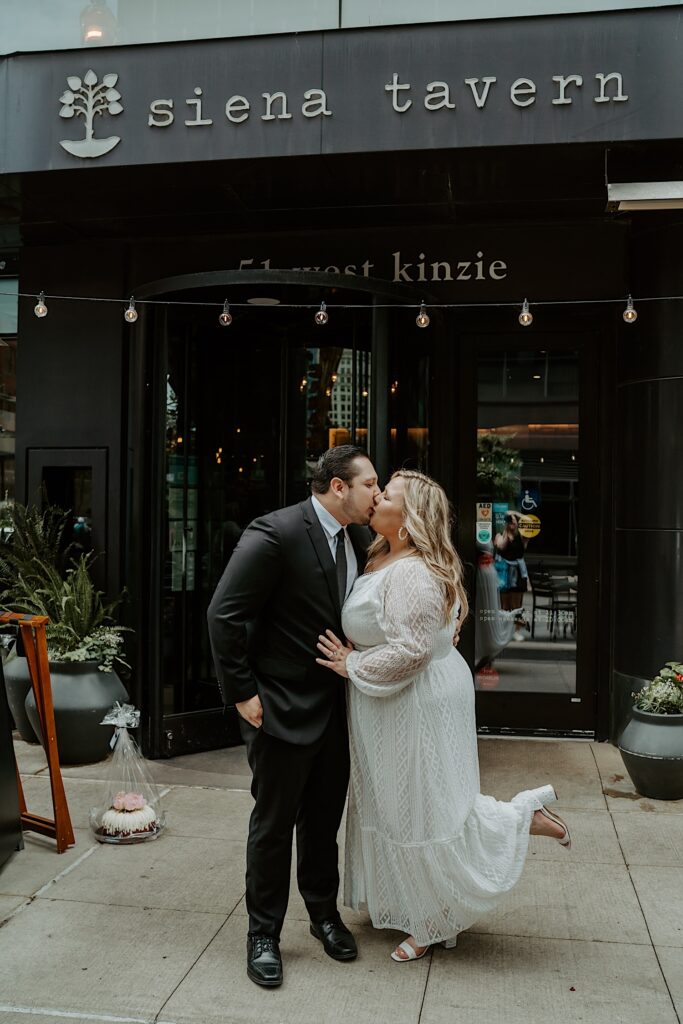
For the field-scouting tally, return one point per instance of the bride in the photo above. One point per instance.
(426, 852)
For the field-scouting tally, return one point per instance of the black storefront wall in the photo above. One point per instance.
(648, 509)
(88, 394)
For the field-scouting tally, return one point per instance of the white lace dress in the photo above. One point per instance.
(426, 853)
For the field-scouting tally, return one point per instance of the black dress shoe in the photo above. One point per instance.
(337, 940)
(264, 963)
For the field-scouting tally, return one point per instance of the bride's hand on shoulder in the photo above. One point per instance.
(335, 653)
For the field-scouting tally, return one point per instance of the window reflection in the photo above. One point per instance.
(8, 385)
(527, 521)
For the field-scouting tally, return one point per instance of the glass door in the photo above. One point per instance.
(248, 410)
(534, 593)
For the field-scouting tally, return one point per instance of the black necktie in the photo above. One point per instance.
(341, 566)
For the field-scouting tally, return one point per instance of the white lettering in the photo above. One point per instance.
(198, 119)
(447, 276)
(237, 109)
(494, 267)
(563, 81)
(393, 88)
(366, 268)
(244, 264)
(523, 87)
(401, 270)
(479, 265)
(160, 109)
(350, 269)
(619, 97)
(462, 276)
(331, 270)
(438, 100)
(316, 104)
(270, 98)
(480, 98)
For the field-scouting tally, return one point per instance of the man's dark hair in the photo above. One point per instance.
(335, 462)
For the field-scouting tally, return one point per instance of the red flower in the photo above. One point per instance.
(679, 677)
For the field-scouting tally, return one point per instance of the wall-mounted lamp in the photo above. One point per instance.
(98, 24)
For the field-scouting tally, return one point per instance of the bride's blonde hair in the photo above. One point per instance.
(427, 520)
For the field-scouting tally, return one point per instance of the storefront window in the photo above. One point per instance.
(32, 25)
(408, 409)
(527, 586)
(329, 402)
(8, 385)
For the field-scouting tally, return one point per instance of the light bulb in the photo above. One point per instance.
(422, 318)
(40, 309)
(131, 314)
(630, 314)
(526, 318)
(225, 318)
(322, 316)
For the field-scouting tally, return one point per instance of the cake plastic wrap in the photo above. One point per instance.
(130, 810)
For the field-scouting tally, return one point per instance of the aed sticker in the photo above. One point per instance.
(529, 526)
(484, 510)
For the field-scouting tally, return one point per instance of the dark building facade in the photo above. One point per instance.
(463, 165)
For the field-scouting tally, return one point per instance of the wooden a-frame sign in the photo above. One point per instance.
(35, 647)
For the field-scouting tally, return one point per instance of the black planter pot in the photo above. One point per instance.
(81, 695)
(18, 686)
(651, 747)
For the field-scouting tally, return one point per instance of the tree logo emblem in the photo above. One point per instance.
(87, 99)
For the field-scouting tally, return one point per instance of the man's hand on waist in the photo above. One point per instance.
(251, 711)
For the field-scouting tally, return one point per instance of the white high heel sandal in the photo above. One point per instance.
(566, 839)
(409, 951)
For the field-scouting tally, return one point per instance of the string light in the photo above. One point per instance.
(526, 317)
(225, 318)
(422, 318)
(131, 314)
(630, 314)
(40, 309)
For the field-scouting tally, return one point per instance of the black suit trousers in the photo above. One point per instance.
(302, 786)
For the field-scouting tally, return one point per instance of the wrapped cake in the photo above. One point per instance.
(130, 810)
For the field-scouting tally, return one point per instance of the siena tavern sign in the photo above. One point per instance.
(89, 100)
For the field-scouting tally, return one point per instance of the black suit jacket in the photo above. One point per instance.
(277, 594)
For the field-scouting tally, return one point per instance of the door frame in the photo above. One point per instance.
(591, 335)
(168, 735)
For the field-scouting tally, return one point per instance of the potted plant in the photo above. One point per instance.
(651, 744)
(84, 646)
(31, 539)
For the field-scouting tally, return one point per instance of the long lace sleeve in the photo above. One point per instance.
(412, 616)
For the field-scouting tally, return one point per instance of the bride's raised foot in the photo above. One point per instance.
(408, 950)
(546, 823)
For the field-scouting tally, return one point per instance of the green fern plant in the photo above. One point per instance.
(35, 582)
(36, 540)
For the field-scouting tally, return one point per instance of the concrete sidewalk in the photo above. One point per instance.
(157, 932)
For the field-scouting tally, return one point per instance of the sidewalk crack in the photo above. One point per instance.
(158, 1018)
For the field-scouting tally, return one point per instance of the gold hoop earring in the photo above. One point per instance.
(405, 533)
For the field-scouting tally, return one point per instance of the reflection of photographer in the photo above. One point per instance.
(513, 575)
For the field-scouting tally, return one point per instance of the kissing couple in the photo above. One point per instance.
(336, 644)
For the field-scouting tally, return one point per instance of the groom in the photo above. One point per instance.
(285, 585)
